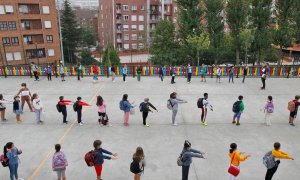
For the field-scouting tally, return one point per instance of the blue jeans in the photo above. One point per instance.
(230, 77)
(244, 76)
(13, 169)
(95, 77)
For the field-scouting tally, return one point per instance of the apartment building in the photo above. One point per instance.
(29, 32)
(129, 24)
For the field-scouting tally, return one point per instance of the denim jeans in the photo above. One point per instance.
(13, 169)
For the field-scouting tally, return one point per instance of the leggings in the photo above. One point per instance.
(263, 80)
(98, 169)
(185, 172)
(145, 115)
(27, 99)
(174, 113)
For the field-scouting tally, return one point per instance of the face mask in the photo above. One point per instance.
(17, 99)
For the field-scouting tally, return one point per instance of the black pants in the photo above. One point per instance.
(173, 80)
(270, 173)
(263, 80)
(79, 114)
(124, 77)
(185, 172)
(189, 77)
(49, 76)
(145, 115)
(78, 76)
(161, 77)
(64, 113)
(35, 73)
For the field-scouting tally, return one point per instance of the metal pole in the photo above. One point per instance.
(60, 35)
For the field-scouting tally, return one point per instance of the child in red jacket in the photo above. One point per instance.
(63, 108)
(78, 109)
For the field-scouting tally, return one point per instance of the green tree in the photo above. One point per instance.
(164, 46)
(283, 34)
(201, 43)
(86, 58)
(237, 14)
(214, 26)
(88, 37)
(297, 21)
(70, 33)
(110, 56)
(247, 38)
(260, 16)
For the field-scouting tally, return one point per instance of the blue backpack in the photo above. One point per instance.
(269, 160)
(122, 107)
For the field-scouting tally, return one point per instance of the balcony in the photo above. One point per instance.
(153, 20)
(29, 9)
(31, 24)
(35, 53)
(119, 21)
(33, 39)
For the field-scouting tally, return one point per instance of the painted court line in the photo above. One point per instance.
(61, 139)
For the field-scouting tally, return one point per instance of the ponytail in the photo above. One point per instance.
(233, 147)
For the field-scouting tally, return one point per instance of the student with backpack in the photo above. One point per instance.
(138, 163)
(145, 109)
(139, 72)
(77, 106)
(231, 73)
(124, 73)
(48, 70)
(186, 158)
(38, 108)
(219, 72)
(235, 159)
(293, 108)
(270, 161)
(12, 154)
(99, 154)
(172, 104)
(202, 104)
(264, 77)
(126, 107)
(17, 109)
(62, 107)
(238, 108)
(203, 72)
(268, 110)
(189, 73)
(103, 118)
(113, 72)
(59, 163)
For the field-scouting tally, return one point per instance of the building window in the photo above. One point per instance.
(125, 7)
(133, 27)
(141, 18)
(133, 17)
(141, 46)
(3, 25)
(15, 41)
(17, 56)
(35, 53)
(47, 24)
(133, 46)
(23, 9)
(142, 8)
(126, 46)
(141, 27)
(126, 37)
(141, 36)
(51, 52)
(12, 25)
(133, 8)
(49, 38)
(2, 9)
(125, 27)
(46, 10)
(133, 37)
(9, 56)
(126, 17)
(9, 9)
(6, 41)
(28, 39)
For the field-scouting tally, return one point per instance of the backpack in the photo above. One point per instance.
(58, 107)
(75, 106)
(236, 107)
(169, 104)
(270, 107)
(142, 107)
(180, 160)
(292, 106)
(200, 103)
(269, 160)
(59, 163)
(90, 158)
(121, 104)
(3, 158)
(135, 167)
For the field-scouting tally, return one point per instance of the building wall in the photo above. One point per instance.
(31, 29)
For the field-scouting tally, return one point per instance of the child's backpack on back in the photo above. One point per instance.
(270, 107)
(90, 158)
(58, 107)
(142, 107)
(121, 104)
(200, 103)
(3, 158)
(292, 106)
(269, 160)
(236, 107)
(75, 106)
(169, 104)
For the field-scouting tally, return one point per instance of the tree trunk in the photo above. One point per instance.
(237, 54)
(279, 62)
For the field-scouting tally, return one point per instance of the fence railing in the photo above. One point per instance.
(252, 71)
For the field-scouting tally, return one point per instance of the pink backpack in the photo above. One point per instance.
(270, 107)
(59, 161)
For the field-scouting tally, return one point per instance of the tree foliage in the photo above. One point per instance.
(87, 59)
(110, 56)
(88, 37)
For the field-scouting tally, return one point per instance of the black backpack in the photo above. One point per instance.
(236, 106)
(142, 107)
(75, 106)
(58, 107)
(200, 103)
(135, 167)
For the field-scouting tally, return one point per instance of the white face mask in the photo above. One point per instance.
(17, 99)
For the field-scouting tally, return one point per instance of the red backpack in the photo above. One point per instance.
(292, 106)
(90, 158)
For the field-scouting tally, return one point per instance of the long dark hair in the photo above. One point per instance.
(99, 101)
(233, 147)
(125, 97)
(139, 154)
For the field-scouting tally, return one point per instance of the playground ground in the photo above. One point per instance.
(162, 142)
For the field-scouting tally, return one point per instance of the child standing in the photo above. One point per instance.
(49, 72)
(126, 106)
(235, 158)
(138, 163)
(59, 163)
(78, 108)
(204, 104)
(17, 109)
(238, 108)
(124, 73)
(293, 108)
(219, 72)
(3, 107)
(145, 108)
(203, 73)
(38, 108)
(268, 110)
(231, 73)
(63, 108)
(25, 96)
(103, 118)
(12, 154)
(173, 105)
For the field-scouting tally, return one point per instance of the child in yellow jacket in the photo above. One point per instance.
(236, 157)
